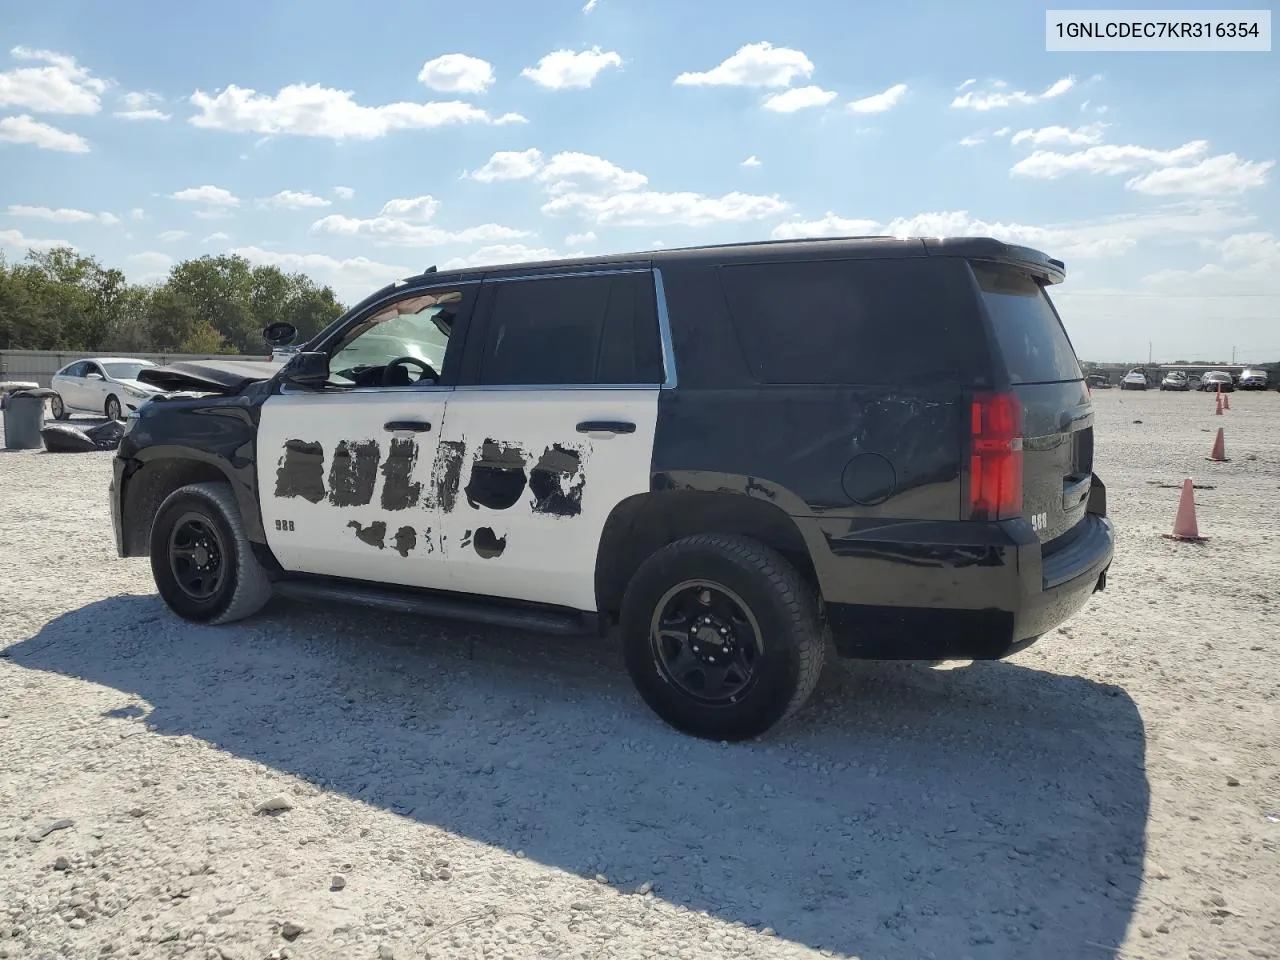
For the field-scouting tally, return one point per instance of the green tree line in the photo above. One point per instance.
(60, 300)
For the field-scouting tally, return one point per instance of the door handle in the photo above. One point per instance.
(409, 426)
(606, 426)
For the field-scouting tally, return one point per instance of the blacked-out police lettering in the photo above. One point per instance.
(729, 458)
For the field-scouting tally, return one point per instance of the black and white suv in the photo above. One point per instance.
(739, 458)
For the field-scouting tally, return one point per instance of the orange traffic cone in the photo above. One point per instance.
(1184, 524)
(1217, 404)
(1226, 401)
(1219, 453)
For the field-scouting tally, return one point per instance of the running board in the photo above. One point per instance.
(564, 622)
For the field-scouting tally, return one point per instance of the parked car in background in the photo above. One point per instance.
(1253, 378)
(1134, 380)
(101, 386)
(1175, 380)
(1217, 380)
(1099, 381)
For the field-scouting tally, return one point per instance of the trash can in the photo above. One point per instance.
(23, 418)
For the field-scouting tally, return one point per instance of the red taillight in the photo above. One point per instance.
(995, 460)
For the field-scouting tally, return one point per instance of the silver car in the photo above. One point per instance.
(101, 386)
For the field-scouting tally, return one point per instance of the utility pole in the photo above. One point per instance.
(1233, 356)
(1148, 353)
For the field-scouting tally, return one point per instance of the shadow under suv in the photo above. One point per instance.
(738, 458)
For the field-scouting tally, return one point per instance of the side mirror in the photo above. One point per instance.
(307, 369)
(94, 376)
(280, 334)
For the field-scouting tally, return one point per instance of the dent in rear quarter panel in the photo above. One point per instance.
(871, 476)
(219, 431)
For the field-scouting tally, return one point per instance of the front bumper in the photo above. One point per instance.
(980, 600)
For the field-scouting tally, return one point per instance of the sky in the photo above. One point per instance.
(363, 143)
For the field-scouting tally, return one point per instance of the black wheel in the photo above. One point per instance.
(722, 636)
(58, 409)
(203, 565)
(113, 409)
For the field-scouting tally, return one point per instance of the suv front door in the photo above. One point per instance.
(552, 423)
(348, 472)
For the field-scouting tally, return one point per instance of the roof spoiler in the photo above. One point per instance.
(1038, 264)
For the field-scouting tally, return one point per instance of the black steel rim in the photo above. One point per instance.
(706, 642)
(197, 556)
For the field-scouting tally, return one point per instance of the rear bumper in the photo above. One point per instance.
(982, 599)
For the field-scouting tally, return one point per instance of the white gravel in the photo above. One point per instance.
(329, 783)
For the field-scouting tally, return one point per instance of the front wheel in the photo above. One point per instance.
(113, 409)
(722, 636)
(201, 559)
(57, 408)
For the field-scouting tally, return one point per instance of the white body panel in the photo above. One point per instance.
(322, 521)
(547, 547)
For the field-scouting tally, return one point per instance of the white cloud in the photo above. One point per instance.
(137, 213)
(312, 110)
(1250, 265)
(208, 195)
(971, 141)
(972, 100)
(218, 237)
(1002, 132)
(344, 193)
(415, 208)
(503, 253)
(296, 200)
(828, 225)
(59, 86)
(567, 70)
(573, 172)
(151, 264)
(1223, 175)
(62, 215)
(1105, 159)
(1090, 239)
(580, 239)
(391, 232)
(457, 73)
(508, 165)
(172, 236)
(653, 208)
(968, 83)
(1078, 137)
(142, 106)
(880, 102)
(25, 129)
(16, 240)
(754, 65)
(353, 278)
(751, 161)
(590, 5)
(799, 98)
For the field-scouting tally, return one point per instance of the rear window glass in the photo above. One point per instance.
(1034, 344)
(848, 321)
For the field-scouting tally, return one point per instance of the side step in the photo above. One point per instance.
(539, 620)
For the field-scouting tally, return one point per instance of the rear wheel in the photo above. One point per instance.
(203, 565)
(722, 636)
(113, 408)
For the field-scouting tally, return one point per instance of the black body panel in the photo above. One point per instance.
(213, 376)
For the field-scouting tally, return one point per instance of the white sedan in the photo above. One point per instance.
(102, 386)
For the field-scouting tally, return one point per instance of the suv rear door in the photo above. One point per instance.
(1057, 413)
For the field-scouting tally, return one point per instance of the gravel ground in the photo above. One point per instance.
(445, 791)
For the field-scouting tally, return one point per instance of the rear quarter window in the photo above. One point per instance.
(848, 322)
(1030, 336)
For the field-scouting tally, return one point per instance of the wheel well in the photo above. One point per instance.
(641, 525)
(147, 488)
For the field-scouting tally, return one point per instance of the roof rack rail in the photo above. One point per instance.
(430, 269)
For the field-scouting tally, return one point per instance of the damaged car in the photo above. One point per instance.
(735, 461)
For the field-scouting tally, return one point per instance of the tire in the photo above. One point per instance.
(241, 586)
(113, 408)
(58, 409)
(781, 613)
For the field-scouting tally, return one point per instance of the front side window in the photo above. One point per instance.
(401, 345)
(125, 371)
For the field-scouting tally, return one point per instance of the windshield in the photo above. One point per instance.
(125, 371)
(1036, 348)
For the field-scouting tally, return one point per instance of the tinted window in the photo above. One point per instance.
(847, 321)
(1031, 338)
(573, 330)
(415, 328)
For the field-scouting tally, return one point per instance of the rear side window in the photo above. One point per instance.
(848, 321)
(1031, 338)
(599, 329)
